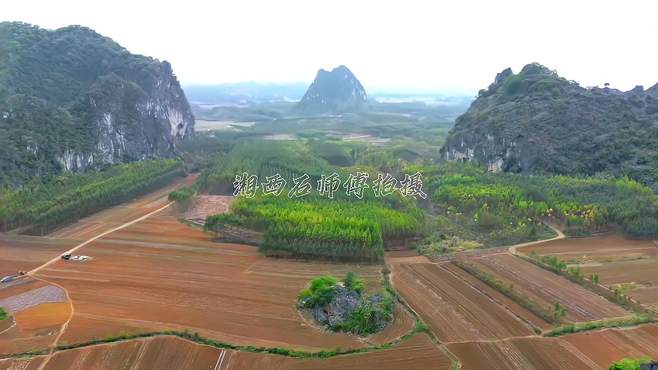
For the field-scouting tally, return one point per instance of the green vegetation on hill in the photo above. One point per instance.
(44, 206)
(261, 158)
(538, 122)
(3, 314)
(71, 99)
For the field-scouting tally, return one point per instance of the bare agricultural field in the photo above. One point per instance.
(207, 205)
(602, 248)
(35, 328)
(615, 259)
(606, 346)
(417, 353)
(590, 350)
(38, 311)
(454, 310)
(151, 353)
(159, 274)
(23, 253)
(547, 288)
(403, 323)
(499, 298)
(521, 354)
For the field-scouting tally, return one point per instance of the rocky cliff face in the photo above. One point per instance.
(333, 92)
(538, 122)
(71, 99)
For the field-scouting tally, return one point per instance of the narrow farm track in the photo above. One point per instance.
(560, 235)
(72, 251)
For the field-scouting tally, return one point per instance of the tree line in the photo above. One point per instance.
(41, 207)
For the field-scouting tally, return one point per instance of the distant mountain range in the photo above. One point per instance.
(245, 92)
(333, 92)
(71, 99)
(538, 122)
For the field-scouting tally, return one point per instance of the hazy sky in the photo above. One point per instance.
(430, 45)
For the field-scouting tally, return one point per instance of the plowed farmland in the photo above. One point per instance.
(520, 354)
(592, 350)
(547, 288)
(418, 353)
(454, 310)
(614, 259)
(606, 346)
(23, 253)
(38, 312)
(160, 274)
(207, 205)
(603, 248)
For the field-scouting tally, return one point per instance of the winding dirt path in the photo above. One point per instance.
(560, 235)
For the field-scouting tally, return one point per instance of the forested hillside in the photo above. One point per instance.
(538, 122)
(71, 99)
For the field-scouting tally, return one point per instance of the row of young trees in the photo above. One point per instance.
(583, 205)
(318, 227)
(42, 207)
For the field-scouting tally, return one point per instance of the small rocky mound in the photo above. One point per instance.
(342, 306)
(333, 92)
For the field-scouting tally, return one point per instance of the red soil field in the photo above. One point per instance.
(159, 274)
(23, 253)
(402, 324)
(454, 310)
(110, 218)
(36, 328)
(21, 364)
(589, 350)
(151, 353)
(614, 259)
(207, 205)
(417, 353)
(547, 288)
(498, 297)
(602, 248)
(521, 354)
(606, 346)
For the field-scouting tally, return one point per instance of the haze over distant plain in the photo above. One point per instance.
(453, 47)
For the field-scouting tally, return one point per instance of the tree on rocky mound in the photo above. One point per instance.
(343, 306)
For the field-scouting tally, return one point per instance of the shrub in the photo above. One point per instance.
(319, 293)
(629, 364)
(353, 282)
